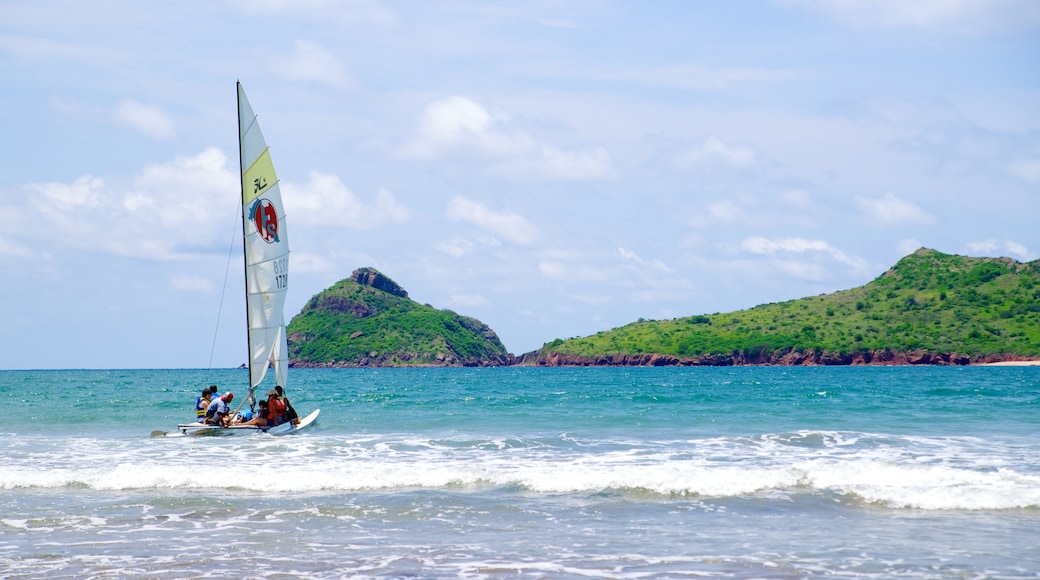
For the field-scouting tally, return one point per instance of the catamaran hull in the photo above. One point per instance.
(283, 429)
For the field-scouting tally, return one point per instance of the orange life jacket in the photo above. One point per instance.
(275, 410)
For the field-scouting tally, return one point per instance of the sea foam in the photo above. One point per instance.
(892, 471)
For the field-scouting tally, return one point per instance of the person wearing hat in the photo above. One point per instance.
(217, 411)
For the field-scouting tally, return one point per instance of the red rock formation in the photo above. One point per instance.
(786, 358)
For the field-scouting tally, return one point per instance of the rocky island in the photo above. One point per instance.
(930, 308)
(368, 320)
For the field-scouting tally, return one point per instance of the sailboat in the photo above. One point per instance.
(266, 252)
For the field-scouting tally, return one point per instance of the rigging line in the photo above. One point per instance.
(223, 288)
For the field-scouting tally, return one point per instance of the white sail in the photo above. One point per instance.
(266, 250)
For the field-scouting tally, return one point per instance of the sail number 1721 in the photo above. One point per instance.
(281, 273)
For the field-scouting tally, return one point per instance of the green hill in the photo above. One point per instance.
(368, 320)
(930, 308)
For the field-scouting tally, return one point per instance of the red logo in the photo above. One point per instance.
(265, 219)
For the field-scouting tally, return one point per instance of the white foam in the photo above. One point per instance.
(897, 472)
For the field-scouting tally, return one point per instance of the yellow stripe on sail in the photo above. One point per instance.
(258, 177)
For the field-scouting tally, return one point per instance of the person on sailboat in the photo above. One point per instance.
(217, 412)
(201, 404)
(260, 418)
(290, 413)
(271, 412)
(275, 408)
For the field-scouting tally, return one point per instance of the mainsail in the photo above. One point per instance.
(266, 250)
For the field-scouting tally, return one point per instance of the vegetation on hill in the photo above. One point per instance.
(964, 309)
(368, 320)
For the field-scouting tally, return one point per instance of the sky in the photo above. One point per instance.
(554, 169)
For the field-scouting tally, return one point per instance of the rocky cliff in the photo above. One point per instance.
(789, 358)
(376, 279)
(368, 320)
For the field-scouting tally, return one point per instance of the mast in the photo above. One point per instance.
(245, 273)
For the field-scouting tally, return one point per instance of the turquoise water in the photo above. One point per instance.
(530, 472)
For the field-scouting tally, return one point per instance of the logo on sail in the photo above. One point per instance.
(265, 219)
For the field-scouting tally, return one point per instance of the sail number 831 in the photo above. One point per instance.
(281, 273)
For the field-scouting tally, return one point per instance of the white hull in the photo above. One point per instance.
(287, 428)
(200, 429)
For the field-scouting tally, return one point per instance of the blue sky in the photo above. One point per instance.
(551, 168)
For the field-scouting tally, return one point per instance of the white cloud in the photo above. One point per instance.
(460, 125)
(1016, 249)
(456, 123)
(772, 246)
(998, 247)
(722, 211)
(508, 225)
(725, 211)
(633, 257)
(983, 246)
(1027, 170)
(714, 152)
(312, 63)
(892, 211)
(325, 201)
(456, 247)
(550, 162)
(802, 258)
(147, 119)
(192, 194)
(176, 209)
(762, 245)
(961, 16)
(171, 210)
(57, 197)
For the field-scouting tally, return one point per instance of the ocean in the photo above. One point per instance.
(748, 472)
